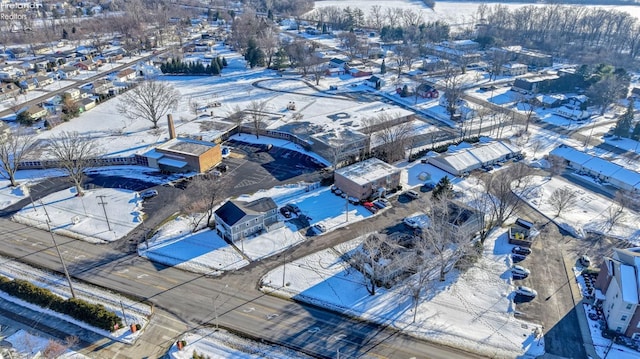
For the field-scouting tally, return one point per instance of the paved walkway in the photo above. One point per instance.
(578, 301)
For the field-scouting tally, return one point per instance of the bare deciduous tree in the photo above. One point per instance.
(257, 113)
(371, 260)
(453, 88)
(150, 100)
(561, 199)
(208, 189)
(446, 240)
(75, 153)
(426, 272)
(616, 212)
(505, 189)
(13, 147)
(392, 135)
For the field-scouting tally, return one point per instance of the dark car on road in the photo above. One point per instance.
(150, 193)
(285, 212)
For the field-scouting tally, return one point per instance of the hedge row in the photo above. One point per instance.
(94, 314)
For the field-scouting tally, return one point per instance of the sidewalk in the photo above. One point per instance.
(161, 331)
(578, 301)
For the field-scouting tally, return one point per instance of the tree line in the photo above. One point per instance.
(592, 35)
(177, 66)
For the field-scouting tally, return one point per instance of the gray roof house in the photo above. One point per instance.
(237, 219)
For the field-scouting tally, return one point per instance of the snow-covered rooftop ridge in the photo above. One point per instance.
(628, 284)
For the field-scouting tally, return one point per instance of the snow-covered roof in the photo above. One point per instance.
(628, 284)
(571, 154)
(367, 171)
(468, 159)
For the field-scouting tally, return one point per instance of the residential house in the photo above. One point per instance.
(527, 57)
(577, 102)
(572, 114)
(8, 91)
(36, 112)
(369, 178)
(43, 81)
(513, 69)
(40, 49)
(17, 52)
(126, 75)
(28, 84)
(550, 101)
(427, 91)
(86, 65)
(102, 87)
(86, 104)
(532, 85)
(617, 287)
(73, 94)
(337, 63)
(236, 220)
(375, 82)
(68, 72)
(355, 72)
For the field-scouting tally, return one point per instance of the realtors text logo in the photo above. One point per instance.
(17, 6)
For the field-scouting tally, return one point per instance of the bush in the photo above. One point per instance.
(94, 314)
(138, 326)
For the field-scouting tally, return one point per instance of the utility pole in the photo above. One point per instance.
(55, 244)
(104, 208)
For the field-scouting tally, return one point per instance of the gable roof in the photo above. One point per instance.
(233, 212)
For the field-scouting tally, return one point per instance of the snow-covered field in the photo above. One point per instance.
(472, 310)
(589, 214)
(83, 217)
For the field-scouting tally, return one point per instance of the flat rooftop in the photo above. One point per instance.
(367, 171)
(187, 146)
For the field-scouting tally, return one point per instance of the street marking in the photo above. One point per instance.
(249, 310)
(80, 256)
(271, 316)
(338, 337)
(123, 271)
(314, 330)
(142, 276)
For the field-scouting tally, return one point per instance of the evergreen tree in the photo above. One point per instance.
(279, 60)
(636, 132)
(219, 61)
(254, 55)
(215, 68)
(623, 126)
(405, 91)
(65, 34)
(443, 187)
(224, 62)
(383, 68)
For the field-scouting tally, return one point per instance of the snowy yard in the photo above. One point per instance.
(472, 310)
(589, 214)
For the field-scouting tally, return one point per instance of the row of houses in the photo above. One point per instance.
(465, 160)
(599, 168)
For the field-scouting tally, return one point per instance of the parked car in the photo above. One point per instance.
(285, 212)
(384, 201)
(354, 200)
(585, 261)
(368, 204)
(320, 228)
(526, 292)
(521, 250)
(337, 192)
(428, 186)
(517, 257)
(519, 272)
(222, 167)
(334, 189)
(150, 193)
(293, 208)
(412, 194)
(409, 222)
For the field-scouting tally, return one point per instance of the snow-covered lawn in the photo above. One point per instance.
(83, 217)
(135, 312)
(205, 252)
(32, 346)
(472, 310)
(589, 214)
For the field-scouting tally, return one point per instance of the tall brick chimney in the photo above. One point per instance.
(172, 127)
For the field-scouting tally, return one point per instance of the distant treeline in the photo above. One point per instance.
(176, 66)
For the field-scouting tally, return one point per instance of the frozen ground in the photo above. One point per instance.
(472, 310)
(589, 214)
(83, 217)
(135, 312)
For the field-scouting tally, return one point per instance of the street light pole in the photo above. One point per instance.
(55, 244)
(215, 306)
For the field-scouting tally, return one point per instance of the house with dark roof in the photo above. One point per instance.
(236, 220)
